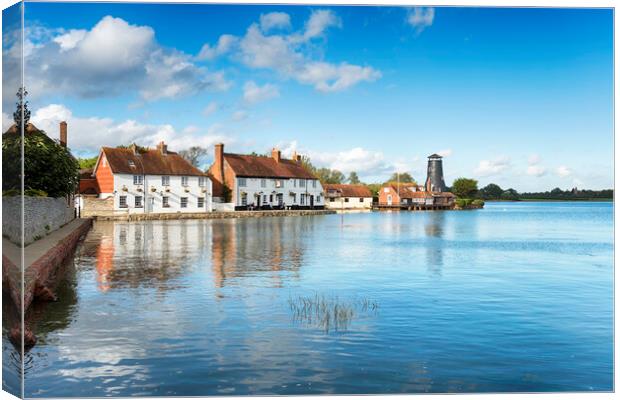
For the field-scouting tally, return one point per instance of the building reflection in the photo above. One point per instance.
(434, 229)
(263, 248)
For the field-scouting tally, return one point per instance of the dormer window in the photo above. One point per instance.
(131, 163)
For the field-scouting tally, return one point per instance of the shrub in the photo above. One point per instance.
(35, 193)
(11, 192)
(462, 203)
(478, 203)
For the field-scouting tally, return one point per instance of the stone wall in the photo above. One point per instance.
(93, 206)
(215, 215)
(42, 215)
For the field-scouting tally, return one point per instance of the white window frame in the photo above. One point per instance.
(186, 200)
(242, 182)
(202, 181)
(122, 202)
(165, 202)
(165, 180)
(138, 204)
(263, 183)
(201, 202)
(138, 179)
(185, 181)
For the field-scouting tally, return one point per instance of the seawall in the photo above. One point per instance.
(213, 215)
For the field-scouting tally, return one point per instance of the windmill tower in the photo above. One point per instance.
(434, 175)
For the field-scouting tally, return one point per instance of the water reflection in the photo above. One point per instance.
(434, 229)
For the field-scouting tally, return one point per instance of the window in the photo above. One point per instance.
(131, 163)
(122, 202)
(278, 183)
(183, 202)
(314, 183)
(201, 202)
(264, 198)
(137, 179)
(184, 181)
(138, 201)
(165, 203)
(346, 199)
(244, 199)
(242, 182)
(294, 196)
(302, 199)
(386, 190)
(263, 183)
(302, 183)
(165, 180)
(202, 181)
(271, 198)
(361, 199)
(332, 199)
(294, 182)
(318, 199)
(280, 198)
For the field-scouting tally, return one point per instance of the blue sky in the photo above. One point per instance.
(520, 97)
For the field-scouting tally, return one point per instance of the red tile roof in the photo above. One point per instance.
(265, 167)
(348, 190)
(150, 162)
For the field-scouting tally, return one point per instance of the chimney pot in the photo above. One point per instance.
(63, 134)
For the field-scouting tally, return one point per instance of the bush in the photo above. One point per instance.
(11, 192)
(35, 193)
(478, 203)
(462, 203)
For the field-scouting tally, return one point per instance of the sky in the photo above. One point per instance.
(520, 97)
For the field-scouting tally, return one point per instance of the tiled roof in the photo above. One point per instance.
(266, 167)
(150, 162)
(348, 190)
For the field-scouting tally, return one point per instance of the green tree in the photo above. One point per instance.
(465, 187)
(374, 188)
(353, 179)
(86, 163)
(491, 191)
(48, 166)
(195, 155)
(22, 107)
(405, 177)
(326, 175)
(510, 194)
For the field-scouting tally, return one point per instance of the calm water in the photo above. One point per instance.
(515, 297)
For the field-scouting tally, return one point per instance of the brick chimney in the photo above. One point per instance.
(275, 153)
(219, 161)
(163, 148)
(63, 134)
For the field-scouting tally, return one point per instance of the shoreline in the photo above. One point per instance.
(552, 201)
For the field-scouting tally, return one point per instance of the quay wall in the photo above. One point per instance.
(213, 215)
(42, 215)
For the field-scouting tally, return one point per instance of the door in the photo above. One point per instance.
(150, 204)
(311, 201)
(389, 200)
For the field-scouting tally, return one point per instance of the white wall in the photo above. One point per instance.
(341, 203)
(254, 186)
(152, 201)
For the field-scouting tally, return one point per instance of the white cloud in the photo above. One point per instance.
(210, 109)
(534, 159)
(288, 55)
(240, 115)
(421, 17)
(89, 134)
(364, 162)
(224, 44)
(492, 167)
(253, 93)
(445, 153)
(563, 171)
(275, 20)
(536, 170)
(112, 58)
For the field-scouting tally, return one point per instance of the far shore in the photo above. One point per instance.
(551, 200)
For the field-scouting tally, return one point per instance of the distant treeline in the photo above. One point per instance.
(495, 192)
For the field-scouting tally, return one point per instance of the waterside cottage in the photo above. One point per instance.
(250, 182)
(142, 180)
(342, 197)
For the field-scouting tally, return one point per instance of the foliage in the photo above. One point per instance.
(374, 188)
(326, 175)
(510, 194)
(22, 105)
(195, 155)
(478, 203)
(491, 191)
(465, 187)
(463, 203)
(35, 193)
(87, 163)
(139, 149)
(11, 192)
(405, 177)
(353, 179)
(48, 166)
(568, 195)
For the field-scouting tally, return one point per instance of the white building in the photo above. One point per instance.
(262, 182)
(347, 197)
(151, 181)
